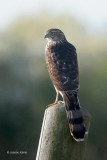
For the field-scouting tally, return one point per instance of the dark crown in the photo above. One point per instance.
(55, 34)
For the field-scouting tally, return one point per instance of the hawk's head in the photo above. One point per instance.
(55, 35)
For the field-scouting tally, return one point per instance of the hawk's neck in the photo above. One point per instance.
(54, 43)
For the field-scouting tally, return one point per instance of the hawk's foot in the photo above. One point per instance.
(59, 102)
(53, 104)
(56, 101)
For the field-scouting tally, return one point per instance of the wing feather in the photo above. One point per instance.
(63, 66)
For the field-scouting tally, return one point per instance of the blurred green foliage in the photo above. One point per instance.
(26, 89)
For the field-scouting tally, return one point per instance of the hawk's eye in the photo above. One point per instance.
(52, 34)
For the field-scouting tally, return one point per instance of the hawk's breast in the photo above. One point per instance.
(62, 66)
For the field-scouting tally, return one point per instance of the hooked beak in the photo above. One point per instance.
(46, 36)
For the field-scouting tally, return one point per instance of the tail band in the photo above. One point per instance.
(74, 115)
(76, 120)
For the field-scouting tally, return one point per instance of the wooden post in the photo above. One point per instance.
(55, 142)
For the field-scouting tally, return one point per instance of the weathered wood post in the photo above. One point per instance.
(55, 142)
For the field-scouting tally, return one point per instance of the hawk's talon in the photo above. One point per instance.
(56, 101)
(52, 104)
(59, 102)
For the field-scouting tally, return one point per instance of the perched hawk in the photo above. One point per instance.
(61, 60)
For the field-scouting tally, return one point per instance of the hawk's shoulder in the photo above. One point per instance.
(62, 47)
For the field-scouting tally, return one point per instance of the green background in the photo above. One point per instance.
(26, 89)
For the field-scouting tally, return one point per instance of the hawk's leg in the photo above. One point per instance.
(56, 101)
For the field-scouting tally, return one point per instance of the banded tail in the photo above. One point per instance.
(74, 115)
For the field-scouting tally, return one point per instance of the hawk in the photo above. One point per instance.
(61, 60)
